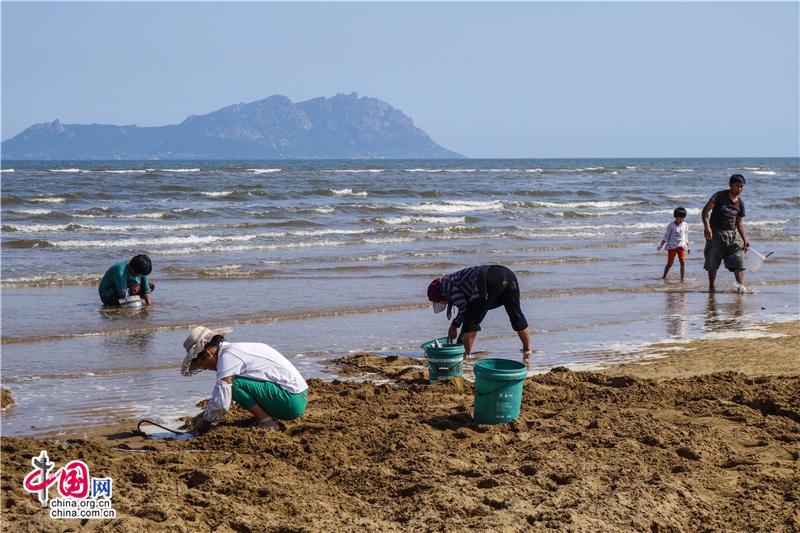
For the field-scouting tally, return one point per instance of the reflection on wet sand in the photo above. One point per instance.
(676, 314)
(138, 343)
(724, 316)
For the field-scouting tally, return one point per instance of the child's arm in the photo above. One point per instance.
(666, 237)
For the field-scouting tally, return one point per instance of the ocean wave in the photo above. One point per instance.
(51, 280)
(347, 192)
(583, 227)
(590, 205)
(126, 171)
(2, 170)
(768, 222)
(455, 206)
(215, 194)
(145, 216)
(143, 242)
(420, 220)
(68, 170)
(681, 170)
(681, 197)
(263, 170)
(28, 243)
(50, 200)
(359, 170)
(765, 172)
(106, 228)
(32, 211)
(280, 246)
(178, 170)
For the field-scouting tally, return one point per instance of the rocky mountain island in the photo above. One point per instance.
(345, 126)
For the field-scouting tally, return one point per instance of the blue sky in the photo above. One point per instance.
(486, 80)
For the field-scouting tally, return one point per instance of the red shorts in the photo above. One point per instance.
(671, 254)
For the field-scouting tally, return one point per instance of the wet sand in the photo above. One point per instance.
(666, 446)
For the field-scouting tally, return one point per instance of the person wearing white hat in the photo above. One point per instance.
(254, 375)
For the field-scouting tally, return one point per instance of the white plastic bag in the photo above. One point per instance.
(754, 260)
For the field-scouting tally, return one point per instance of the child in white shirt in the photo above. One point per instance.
(677, 240)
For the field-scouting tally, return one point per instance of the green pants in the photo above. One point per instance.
(278, 402)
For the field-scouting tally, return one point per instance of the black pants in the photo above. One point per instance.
(502, 288)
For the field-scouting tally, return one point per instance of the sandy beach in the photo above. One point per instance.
(666, 446)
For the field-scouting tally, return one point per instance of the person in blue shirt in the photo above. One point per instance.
(127, 278)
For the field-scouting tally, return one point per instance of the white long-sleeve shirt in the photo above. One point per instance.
(251, 360)
(677, 236)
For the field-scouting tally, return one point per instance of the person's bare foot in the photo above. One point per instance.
(269, 423)
(712, 289)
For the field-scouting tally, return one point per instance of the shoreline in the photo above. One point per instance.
(613, 450)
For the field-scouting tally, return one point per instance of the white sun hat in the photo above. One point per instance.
(194, 344)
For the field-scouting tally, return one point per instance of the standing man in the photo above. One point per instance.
(474, 291)
(726, 239)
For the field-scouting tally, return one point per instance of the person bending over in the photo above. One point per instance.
(127, 278)
(474, 291)
(253, 374)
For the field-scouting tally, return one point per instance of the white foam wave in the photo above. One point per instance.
(690, 211)
(264, 170)
(581, 227)
(32, 211)
(215, 194)
(681, 170)
(765, 172)
(359, 170)
(347, 192)
(50, 200)
(388, 240)
(68, 170)
(378, 257)
(768, 222)
(324, 210)
(179, 169)
(591, 205)
(421, 220)
(6, 170)
(423, 170)
(223, 268)
(151, 241)
(456, 206)
(127, 171)
(105, 228)
(679, 197)
(320, 232)
(277, 246)
(145, 215)
(461, 170)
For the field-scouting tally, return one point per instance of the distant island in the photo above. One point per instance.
(342, 127)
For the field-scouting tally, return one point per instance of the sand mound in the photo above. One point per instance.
(6, 400)
(589, 453)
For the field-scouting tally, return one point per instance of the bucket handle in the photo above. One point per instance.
(498, 389)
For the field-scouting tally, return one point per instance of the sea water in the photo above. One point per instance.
(325, 258)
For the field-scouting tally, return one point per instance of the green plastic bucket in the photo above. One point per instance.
(498, 390)
(444, 361)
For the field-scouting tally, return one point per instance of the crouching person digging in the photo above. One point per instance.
(254, 375)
